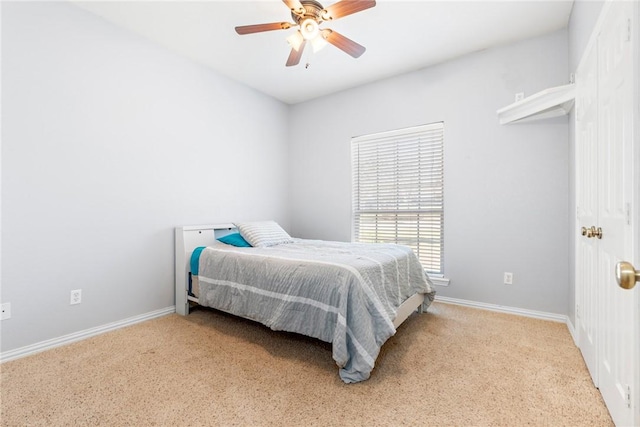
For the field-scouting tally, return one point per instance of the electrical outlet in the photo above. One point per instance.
(76, 296)
(508, 278)
(6, 311)
(519, 96)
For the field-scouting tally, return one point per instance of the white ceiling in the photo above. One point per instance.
(400, 36)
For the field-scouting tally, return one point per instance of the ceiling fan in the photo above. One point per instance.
(308, 15)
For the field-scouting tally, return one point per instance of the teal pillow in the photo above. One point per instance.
(235, 239)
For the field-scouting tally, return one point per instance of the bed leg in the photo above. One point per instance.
(420, 309)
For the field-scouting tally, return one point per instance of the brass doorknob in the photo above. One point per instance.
(596, 232)
(626, 275)
(592, 232)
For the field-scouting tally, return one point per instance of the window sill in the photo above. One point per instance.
(439, 280)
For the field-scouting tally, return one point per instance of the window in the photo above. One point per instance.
(398, 192)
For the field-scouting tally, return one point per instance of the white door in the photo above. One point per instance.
(587, 298)
(617, 360)
(606, 155)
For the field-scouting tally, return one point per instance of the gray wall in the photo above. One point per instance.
(506, 187)
(108, 142)
(583, 19)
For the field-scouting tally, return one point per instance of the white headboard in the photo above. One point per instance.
(187, 239)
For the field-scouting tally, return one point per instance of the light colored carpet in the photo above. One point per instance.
(453, 366)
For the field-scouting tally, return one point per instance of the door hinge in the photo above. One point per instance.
(628, 213)
(628, 396)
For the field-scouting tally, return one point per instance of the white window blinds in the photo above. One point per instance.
(398, 191)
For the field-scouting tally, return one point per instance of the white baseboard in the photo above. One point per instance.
(572, 331)
(81, 335)
(88, 333)
(504, 309)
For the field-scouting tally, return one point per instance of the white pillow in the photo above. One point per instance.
(261, 234)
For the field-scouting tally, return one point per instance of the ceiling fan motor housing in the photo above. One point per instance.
(312, 10)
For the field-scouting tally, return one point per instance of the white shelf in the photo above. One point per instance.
(552, 102)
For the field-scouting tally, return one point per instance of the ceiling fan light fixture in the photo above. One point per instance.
(318, 43)
(309, 29)
(295, 40)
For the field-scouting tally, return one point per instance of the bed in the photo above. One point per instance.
(353, 296)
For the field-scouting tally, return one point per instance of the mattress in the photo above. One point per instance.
(343, 293)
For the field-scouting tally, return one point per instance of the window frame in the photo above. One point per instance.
(429, 137)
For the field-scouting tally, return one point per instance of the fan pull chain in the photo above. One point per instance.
(308, 54)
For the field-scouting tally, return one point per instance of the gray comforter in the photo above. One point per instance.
(343, 293)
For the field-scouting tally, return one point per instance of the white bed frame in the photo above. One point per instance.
(190, 237)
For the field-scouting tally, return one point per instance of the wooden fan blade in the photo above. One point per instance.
(295, 6)
(295, 55)
(346, 7)
(258, 28)
(343, 43)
